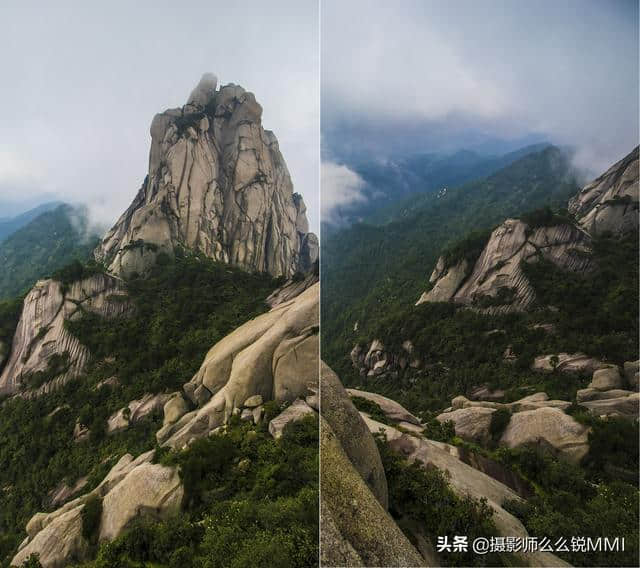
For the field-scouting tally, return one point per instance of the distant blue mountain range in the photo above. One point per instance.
(9, 225)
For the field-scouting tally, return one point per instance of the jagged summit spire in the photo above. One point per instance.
(217, 184)
(204, 91)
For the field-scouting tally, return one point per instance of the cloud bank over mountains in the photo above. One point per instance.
(432, 76)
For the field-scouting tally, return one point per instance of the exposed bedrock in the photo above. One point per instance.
(41, 334)
(274, 355)
(217, 184)
(609, 204)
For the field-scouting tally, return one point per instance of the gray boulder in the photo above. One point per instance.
(174, 409)
(298, 410)
(549, 428)
(149, 489)
(471, 423)
(391, 408)
(626, 406)
(57, 543)
(606, 379)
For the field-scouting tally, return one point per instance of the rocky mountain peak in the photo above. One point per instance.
(610, 202)
(217, 184)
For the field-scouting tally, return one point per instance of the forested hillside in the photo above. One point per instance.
(48, 242)
(181, 310)
(369, 270)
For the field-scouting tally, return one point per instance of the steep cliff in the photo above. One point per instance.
(497, 279)
(217, 184)
(43, 352)
(610, 202)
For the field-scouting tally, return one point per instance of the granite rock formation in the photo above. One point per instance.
(609, 204)
(41, 334)
(497, 280)
(217, 184)
(274, 355)
(356, 529)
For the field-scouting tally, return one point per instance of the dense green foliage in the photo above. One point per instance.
(9, 316)
(469, 248)
(499, 421)
(598, 313)
(76, 271)
(91, 518)
(371, 408)
(394, 186)
(568, 502)
(423, 501)
(250, 500)
(545, 217)
(595, 313)
(372, 276)
(368, 271)
(180, 311)
(46, 244)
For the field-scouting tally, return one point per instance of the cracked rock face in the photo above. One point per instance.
(497, 275)
(41, 334)
(610, 202)
(217, 184)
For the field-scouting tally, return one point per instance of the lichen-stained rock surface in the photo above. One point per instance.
(347, 425)
(610, 202)
(356, 530)
(497, 279)
(217, 184)
(274, 355)
(41, 333)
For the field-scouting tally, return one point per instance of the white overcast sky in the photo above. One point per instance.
(417, 74)
(81, 81)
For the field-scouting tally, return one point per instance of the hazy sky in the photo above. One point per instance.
(81, 82)
(424, 75)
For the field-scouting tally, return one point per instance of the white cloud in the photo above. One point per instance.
(567, 71)
(340, 187)
(77, 99)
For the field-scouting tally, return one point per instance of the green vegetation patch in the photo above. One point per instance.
(423, 497)
(181, 310)
(371, 408)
